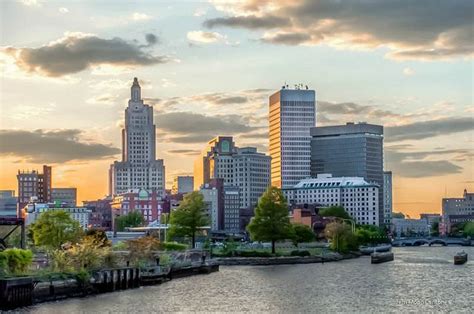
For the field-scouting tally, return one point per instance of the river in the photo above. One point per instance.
(420, 279)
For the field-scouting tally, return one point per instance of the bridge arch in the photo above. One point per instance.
(438, 241)
(420, 242)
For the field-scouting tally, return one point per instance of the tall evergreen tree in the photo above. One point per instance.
(271, 221)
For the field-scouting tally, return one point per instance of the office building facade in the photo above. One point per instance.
(8, 203)
(148, 203)
(34, 184)
(351, 150)
(244, 168)
(139, 168)
(358, 197)
(456, 210)
(183, 184)
(66, 196)
(292, 113)
(387, 197)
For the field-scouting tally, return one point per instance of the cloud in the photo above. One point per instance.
(250, 22)
(63, 10)
(31, 3)
(422, 30)
(151, 39)
(190, 152)
(418, 164)
(140, 17)
(76, 52)
(205, 37)
(52, 146)
(194, 123)
(408, 71)
(427, 129)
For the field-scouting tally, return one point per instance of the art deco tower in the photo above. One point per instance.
(139, 168)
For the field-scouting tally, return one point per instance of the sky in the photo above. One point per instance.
(208, 68)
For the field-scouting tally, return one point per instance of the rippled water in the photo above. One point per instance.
(420, 279)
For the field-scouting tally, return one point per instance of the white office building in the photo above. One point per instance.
(358, 197)
(139, 168)
(32, 211)
(182, 184)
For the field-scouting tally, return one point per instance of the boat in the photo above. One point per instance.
(382, 257)
(367, 250)
(460, 258)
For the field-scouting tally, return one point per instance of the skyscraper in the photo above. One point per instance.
(241, 167)
(351, 150)
(139, 168)
(292, 112)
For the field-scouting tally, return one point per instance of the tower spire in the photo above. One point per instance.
(135, 90)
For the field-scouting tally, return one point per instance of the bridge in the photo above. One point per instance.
(431, 241)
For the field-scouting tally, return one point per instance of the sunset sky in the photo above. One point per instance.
(208, 68)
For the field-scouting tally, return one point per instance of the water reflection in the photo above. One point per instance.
(420, 279)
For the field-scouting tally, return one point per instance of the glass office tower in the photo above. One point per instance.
(292, 113)
(351, 150)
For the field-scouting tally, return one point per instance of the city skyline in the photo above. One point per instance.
(208, 70)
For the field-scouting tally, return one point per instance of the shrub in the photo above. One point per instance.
(173, 246)
(300, 253)
(16, 261)
(254, 254)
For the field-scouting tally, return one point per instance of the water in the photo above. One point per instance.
(420, 279)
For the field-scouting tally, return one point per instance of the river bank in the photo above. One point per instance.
(25, 291)
(284, 260)
(420, 279)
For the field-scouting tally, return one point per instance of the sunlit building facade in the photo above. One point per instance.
(139, 168)
(350, 150)
(292, 112)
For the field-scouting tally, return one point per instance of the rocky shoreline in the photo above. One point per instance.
(284, 260)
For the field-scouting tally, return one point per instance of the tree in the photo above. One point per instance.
(342, 239)
(334, 211)
(468, 230)
(54, 228)
(98, 237)
(132, 219)
(398, 215)
(435, 229)
(302, 233)
(189, 217)
(271, 221)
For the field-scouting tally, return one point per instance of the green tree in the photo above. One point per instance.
(271, 221)
(342, 239)
(468, 230)
(15, 261)
(435, 229)
(98, 237)
(54, 228)
(189, 217)
(334, 211)
(398, 215)
(302, 233)
(130, 220)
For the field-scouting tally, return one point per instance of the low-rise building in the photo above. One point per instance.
(32, 211)
(358, 197)
(101, 213)
(148, 203)
(64, 196)
(402, 227)
(461, 207)
(8, 203)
